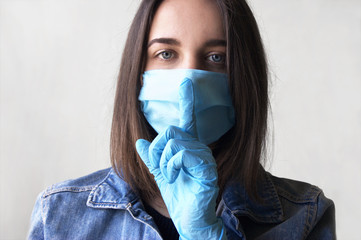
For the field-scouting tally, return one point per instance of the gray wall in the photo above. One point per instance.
(58, 66)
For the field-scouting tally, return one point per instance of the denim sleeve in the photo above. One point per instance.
(36, 230)
(324, 226)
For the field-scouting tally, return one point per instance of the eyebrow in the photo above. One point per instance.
(172, 41)
(216, 42)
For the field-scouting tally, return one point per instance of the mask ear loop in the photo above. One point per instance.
(139, 103)
(141, 80)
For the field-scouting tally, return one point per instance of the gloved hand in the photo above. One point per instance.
(186, 174)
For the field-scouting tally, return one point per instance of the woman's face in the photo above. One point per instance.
(187, 34)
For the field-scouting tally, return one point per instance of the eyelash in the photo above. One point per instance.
(161, 53)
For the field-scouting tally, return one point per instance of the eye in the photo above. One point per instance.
(165, 55)
(216, 58)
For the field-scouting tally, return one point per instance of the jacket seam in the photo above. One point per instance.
(67, 189)
(313, 194)
(43, 211)
(105, 205)
(312, 216)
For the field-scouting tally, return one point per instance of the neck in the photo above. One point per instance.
(158, 204)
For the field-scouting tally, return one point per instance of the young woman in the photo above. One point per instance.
(188, 133)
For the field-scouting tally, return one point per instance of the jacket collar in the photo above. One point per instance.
(113, 192)
(239, 202)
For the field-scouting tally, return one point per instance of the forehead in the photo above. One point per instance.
(182, 18)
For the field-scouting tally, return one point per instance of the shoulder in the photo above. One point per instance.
(288, 208)
(81, 184)
(300, 194)
(296, 191)
(92, 205)
(307, 203)
(101, 189)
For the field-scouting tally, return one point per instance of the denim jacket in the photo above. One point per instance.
(103, 206)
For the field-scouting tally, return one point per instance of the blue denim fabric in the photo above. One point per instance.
(102, 206)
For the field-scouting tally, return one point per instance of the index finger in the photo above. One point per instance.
(187, 120)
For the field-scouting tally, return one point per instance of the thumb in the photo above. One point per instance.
(187, 120)
(142, 147)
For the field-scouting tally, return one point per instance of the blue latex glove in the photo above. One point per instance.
(186, 174)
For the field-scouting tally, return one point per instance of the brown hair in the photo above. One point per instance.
(238, 153)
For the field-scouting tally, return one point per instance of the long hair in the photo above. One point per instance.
(238, 153)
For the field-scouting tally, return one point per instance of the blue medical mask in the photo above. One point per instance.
(213, 109)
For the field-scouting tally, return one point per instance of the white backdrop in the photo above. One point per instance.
(58, 66)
